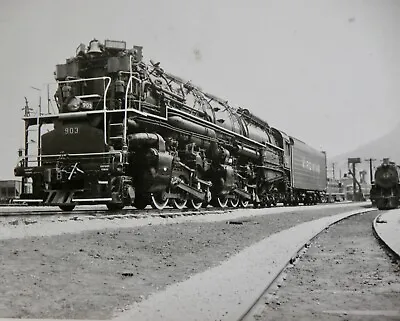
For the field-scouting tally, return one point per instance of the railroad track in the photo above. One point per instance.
(96, 212)
(259, 304)
(90, 214)
(33, 216)
(164, 214)
(234, 289)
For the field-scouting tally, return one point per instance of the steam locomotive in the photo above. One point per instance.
(129, 133)
(385, 191)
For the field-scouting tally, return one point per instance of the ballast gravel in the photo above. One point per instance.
(344, 275)
(95, 274)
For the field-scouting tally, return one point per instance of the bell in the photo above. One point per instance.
(94, 47)
(137, 53)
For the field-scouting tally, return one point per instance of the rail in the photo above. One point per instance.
(223, 129)
(27, 157)
(38, 117)
(136, 108)
(49, 118)
(106, 86)
(128, 88)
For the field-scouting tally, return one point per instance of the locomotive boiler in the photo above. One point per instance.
(129, 133)
(385, 191)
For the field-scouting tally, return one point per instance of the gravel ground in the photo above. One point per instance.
(345, 275)
(93, 274)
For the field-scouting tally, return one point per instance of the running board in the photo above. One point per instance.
(92, 200)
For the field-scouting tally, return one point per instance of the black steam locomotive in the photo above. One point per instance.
(385, 191)
(129, 133)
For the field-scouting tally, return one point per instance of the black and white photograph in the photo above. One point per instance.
(200, 160)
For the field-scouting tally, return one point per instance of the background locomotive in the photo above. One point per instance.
(129, 133)
(335, 191)
(385, 191)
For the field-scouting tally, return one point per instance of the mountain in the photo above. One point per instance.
(386, 146)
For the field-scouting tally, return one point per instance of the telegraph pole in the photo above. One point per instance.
(27, 112)
(333, 170)
(370, 160)
(26, 109)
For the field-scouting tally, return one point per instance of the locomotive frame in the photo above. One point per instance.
(129, 133)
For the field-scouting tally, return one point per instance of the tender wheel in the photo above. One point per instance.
(159, 201)
(115, 206)
(179, 203)
(233, 202)
(67, 208)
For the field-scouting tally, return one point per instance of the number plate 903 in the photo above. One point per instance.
(71, 130)
(87, 105)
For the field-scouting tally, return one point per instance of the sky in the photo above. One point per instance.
(324, 71)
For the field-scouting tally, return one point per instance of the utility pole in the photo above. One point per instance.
(333, 170)
(354, 161)
(370, 160)
(27, 112)
(26, 109)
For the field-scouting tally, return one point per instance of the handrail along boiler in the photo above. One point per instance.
(129, 133)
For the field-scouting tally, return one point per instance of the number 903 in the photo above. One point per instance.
(71, 130)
